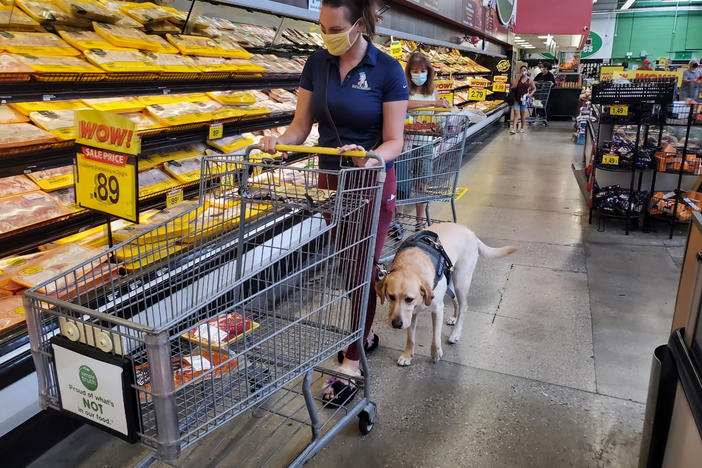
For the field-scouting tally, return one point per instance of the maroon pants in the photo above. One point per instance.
(346, 236)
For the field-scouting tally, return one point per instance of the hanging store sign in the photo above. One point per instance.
(643, 74)
(444, 88)
(106, 165)
(503, 65)
(593, 44)
(507, 10)
(396, 50)
(607, 73)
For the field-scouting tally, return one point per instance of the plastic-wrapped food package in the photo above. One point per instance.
(8, 115)
(231, 143)
(11, 64)
(28, 208)
(53, 263)
(161, 27)
(60, 123)
(171, 62)
(162, 216)
(67, 198)
(11, 312)
(15, 185)
(214, 64)
(85, 40)
(141, 120)
(116, 104)
(53, 179)
(153, 181)
(233, 98)
(23, 134)
(222, 330)
(89, 10)
(18, 42)
(53, 64)
(178, 113)
(120, 60)
(247, 66)
(165, 46)
(187, 170)
(195, 45)
(48, 12)
(15, 19)
(126, 37)
(147, 12)
(281, 95)
(28, 107)
(231, 48)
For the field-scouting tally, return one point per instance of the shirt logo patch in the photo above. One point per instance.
(362, 82)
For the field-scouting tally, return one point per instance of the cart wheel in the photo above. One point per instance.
(364, 423)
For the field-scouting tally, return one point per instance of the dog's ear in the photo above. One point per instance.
(380, 290)
(426, 291)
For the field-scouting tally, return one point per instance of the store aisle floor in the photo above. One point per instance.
(553, 366)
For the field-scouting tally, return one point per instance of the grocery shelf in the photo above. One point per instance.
(21, 91)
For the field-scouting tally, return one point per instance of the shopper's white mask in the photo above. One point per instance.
(419, 78)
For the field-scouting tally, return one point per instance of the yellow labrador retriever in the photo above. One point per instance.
(418, 280)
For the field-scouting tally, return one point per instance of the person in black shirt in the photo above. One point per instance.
(545, 74)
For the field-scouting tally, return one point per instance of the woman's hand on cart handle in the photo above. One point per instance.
(442, 103)
(366, 161)
(267, 144)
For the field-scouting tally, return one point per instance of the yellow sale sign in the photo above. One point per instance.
(106, 130)
(444, 88)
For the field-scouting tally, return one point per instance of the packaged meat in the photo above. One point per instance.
(11, 312)
(9, 266)
(231, 49)
(94, 237)
(213, 64)
(15, 19)
(178, 113)
(59, 123)
(141, 120)
(207, 106)
(246, 66)
(231, 143)
(8, 115)
(154, 181)
(53, 179)
(53, 263)
(165, 46)
(35, 43)
(23, 134)
(116, 104)
(222, 330)
(28, 107)
(14, 185)
(149, 161)
(85, 40)
(26, 209)
(125, 37)
(161, 27)
(89, 10)
(146, 13)
(120, 60)
(57, 64)
(185, 171)
(195, 45)
(67, 198)
(48, 12)
(282, 95)
(171, 63)
(233, 98)
(160, 234)
(11, 64)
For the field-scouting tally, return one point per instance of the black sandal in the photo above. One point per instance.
(368, 347)
(344, 392)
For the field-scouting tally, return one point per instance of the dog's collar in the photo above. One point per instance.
(429, 243)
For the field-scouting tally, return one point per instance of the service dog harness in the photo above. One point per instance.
(429, 243)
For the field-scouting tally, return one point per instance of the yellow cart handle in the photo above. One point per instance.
(431, 109)
(319, 150)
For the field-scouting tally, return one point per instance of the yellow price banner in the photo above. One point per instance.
(107, 182)
(396, 50)
(620, 110)
(174, 198)
(610, 159)
(477, 94)
(500, 78)
(216, 131)
(499, 87)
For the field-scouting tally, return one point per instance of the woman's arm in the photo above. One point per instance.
(412, 104)
(393, 129)
(532, 88)
(299, 129)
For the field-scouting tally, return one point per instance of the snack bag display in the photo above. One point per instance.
(171, 63)
(89, 10)
(126, 37)
(120, 60)
(53, 64)
(8, 115)
(48, 12)
(23, 134)
(28, 208)
(15, 185)
(85, 40)
(116, 104)
(13, 18)
(195, 45)
(53, 179)
(35, 43)
(154, 181)
(222, 330)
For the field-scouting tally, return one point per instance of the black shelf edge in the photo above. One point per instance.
(633, 215)
(20, 91)
(619, 169)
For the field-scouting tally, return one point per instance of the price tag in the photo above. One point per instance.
(500, 78)
(216, 131)
(621, 110)
(476, 94)
(499, 87)
(396, 50)
(610, 159)
(174, 198)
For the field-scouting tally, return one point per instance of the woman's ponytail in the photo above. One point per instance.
(357, 9)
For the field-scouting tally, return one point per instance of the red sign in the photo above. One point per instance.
(107, 157)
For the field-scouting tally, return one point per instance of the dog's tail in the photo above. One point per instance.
(491, 252)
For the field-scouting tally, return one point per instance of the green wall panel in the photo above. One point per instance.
(653, 32)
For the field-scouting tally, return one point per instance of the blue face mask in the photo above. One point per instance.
(419, 78)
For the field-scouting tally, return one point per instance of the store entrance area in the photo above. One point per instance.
(553, 366)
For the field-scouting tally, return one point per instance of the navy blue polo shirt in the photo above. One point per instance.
(356, 105)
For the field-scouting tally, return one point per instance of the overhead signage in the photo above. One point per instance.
(607, 73)
(506, 10)
(503, 65)
(593, 44)
(396, 50)
(642, 74)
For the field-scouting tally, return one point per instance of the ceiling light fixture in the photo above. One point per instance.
(627, 4)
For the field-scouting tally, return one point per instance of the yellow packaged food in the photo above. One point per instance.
(8, 115)
(120, 60)
(95, 237)
(27, 108)
(214, 64)
(84, 40)
(231, 143)
(244, 66)
(60, 64)
(53, 179)
(171, 63)
(175, 217)
(147, 12)
(125, 37)
(23, 134)
(15, 19)
(165, 46)
(11, 65)
(161, 27)
(195, 45)
(154, 181)
(156, 159)
(67, 198)
(59, 123)
(178, 113)
(145, 254)
(159, 99)
(256, 111)
(35, 43)
(142, 121)
(116, 104)
(185, 171)
(233, 98)
(232, 48)
(48, 12)
(89, 10)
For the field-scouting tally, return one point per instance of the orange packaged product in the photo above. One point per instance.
(56, 261)
(8, 115)
(10, 64)
(11, 312)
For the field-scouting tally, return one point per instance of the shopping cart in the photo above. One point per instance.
(428, 168)
(538, 104)
(224, 308)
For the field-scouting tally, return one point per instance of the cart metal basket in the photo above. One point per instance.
(218, 310)
(538, 104)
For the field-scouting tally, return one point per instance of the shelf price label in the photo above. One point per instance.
(610, 159)
(106, 165)
(499, 87)
(396, 50)
(477, 94)
(620, 110)
(174, 198)
(216, 131)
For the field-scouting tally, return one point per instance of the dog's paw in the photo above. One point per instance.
(404, 360)
(451, 321)
(436, 354)
(455, 336)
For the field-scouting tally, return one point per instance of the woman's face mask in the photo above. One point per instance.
(340, 43)
(419, 78)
